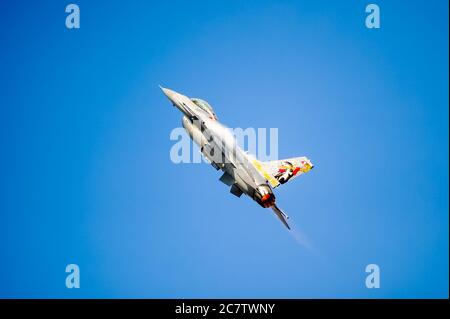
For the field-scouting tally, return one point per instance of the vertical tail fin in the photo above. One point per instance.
(281, 171)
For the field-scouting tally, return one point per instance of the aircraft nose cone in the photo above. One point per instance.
(171, 95)
(167, 92)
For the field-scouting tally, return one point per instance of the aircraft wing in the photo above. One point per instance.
(281, 215)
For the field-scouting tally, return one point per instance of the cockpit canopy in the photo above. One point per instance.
(204, 106)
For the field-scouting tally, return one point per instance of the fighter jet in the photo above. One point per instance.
(241, 171)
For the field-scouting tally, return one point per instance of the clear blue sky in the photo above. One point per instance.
(87, 178)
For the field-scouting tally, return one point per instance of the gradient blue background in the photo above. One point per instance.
(86, 174)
